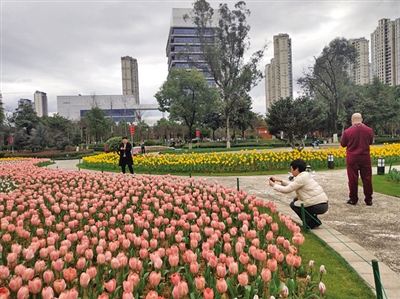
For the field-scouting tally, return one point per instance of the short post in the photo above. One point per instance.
(237, 184)
(331, 162)
(303, 216)
(308, 168)
(377, 279)
(381, 166)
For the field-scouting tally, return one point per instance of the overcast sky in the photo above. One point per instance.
(75, 47)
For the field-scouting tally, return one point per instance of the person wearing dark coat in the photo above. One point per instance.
(125, 155)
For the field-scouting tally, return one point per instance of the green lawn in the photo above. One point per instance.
(381, 184)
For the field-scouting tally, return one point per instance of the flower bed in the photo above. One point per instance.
(243, 161)
(69, 234)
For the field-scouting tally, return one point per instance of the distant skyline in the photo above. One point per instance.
(75, 47)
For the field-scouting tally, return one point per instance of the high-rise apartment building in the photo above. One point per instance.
(360, 70)
(130, 78)
(184, 49)
(278, 73)
(40, 99)
(385, 54)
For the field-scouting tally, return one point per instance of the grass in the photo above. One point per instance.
(341, 281)
(381, 184)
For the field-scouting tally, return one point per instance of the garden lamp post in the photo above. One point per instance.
(381, 166)
(331, 163)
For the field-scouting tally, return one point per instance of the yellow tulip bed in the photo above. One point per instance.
(242, 161)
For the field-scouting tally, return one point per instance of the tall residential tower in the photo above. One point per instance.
(278, 74)
(385, 52)
(130, 78)
(40, 99)
(360, 70)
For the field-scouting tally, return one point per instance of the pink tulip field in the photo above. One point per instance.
(72, 234)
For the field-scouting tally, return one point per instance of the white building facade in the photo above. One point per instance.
(116, 107)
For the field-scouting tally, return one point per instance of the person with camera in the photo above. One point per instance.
(308, 192)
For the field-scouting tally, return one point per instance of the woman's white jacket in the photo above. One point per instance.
(308, 191)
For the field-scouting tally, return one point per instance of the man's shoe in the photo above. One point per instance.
(351, 202)
(368, 203)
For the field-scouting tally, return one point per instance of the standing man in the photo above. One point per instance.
(142, 147)
(125, 155)
(357, 140)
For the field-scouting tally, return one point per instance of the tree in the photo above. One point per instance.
(39, 138)
(187, 97)
(328, 78)
(296, 118)
(224, 53)
(25, 117)
(379, 106)
(98, 125)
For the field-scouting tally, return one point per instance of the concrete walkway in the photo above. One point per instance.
(358, 233)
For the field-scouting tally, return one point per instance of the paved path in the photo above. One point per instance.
(358, 233)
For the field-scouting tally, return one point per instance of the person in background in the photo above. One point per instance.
(357, 140)
(142, 147)
(125, 155)
(308, 192)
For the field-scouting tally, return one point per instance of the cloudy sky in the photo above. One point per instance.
(75, 47)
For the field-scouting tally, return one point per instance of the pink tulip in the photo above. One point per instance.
(115, 263)
(84, 279)
(81, 263)
(48, 276)
(28, 274)
(252, 269)
(152, 295)
(35, 285)
(321, 287)
(102, 296)
(266, 274)
(23, 293)
(69, 274)
(134, 278)
(221, 270)
(59, 285)
(4, 272)
(200, 282)
(154, 278)
(272, 265)
(194, 267)
(110, 285)
(222, 286)
(57, 265)
(175, 278)
(208, 293)
(243, 279)
(290, 259)
(47, 293)
(173, 260)
(127, 295)
(15, 283)
(244, 258)
(92, 271)
(127, 286)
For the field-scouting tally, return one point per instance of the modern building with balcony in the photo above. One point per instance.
(184, 48)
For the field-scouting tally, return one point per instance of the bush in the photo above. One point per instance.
(52, 154)
(386, 139)
(2, 154)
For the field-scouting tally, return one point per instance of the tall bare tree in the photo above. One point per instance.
(224, 51)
